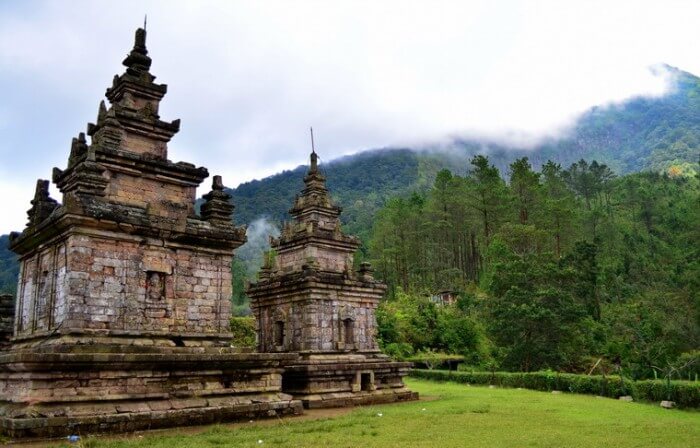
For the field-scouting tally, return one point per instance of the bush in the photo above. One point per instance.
(432, 359)
(243, 329)
(685, 394)
(688, 365)
(399, 350)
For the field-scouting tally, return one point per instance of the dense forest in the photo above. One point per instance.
(555, 268)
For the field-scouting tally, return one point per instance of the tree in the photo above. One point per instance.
(533, 317)
(558, 214)
(487, 194)
(583, 261)
(525, 188)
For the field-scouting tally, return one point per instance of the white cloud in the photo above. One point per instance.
(249, 78)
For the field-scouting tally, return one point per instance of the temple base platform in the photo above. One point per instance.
(56, 391)
(339, 380)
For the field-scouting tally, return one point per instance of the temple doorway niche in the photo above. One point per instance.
(279, 330)
(279, 333)
(349, 331)
(364, 381)
(347, 327)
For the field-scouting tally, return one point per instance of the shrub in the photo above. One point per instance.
(685, 394)
(399, 350)
(432, 359)
(243, 329)
(688, 365)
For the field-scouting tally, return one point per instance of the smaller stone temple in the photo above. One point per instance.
(123, 300)
(309, 300)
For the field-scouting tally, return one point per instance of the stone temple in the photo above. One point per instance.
(121, 319)
(310, 301)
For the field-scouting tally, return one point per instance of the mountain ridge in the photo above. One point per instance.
(642, 133)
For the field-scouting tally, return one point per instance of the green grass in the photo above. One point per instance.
(459, 416)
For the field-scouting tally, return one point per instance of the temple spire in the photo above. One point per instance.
(314, 156)
(138, 61)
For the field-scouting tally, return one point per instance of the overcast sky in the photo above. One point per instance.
(249, 78)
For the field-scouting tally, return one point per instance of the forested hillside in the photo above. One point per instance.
(643, 134)
(554, 268)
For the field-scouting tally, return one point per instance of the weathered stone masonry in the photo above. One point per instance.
(123, 303)
(310, 300)
(125, 251)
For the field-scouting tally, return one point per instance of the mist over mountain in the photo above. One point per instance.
(656, 134)
(647, 133)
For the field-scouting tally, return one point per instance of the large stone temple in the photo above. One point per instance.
(122, 314)
(123, 302)
(309, 300)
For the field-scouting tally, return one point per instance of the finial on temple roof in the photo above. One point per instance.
(314, 156)
(140, 41)
(145, 20)
(138, 61)
(217, 183)
(313, 149)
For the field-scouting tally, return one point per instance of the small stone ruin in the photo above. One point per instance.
(121, 318)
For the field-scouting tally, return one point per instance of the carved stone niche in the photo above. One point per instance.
(155, 286)
(159, 288)
(346, 328)
(280, 337)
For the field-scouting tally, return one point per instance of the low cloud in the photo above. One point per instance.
(258, 234)
(249, 78)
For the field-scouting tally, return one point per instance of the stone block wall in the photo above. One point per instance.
(117, 385)
(324, 259)
(324, 322)
(164, 199)
(42, 290)
(55, 391)
(95, 282)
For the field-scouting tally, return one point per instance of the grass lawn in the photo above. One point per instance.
(456, 416)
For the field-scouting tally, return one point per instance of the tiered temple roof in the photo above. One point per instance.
(123, 174)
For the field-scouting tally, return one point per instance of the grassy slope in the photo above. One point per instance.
(462, 416)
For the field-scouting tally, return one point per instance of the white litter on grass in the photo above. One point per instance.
(260, 441)
(379, 414)
(423, 409)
